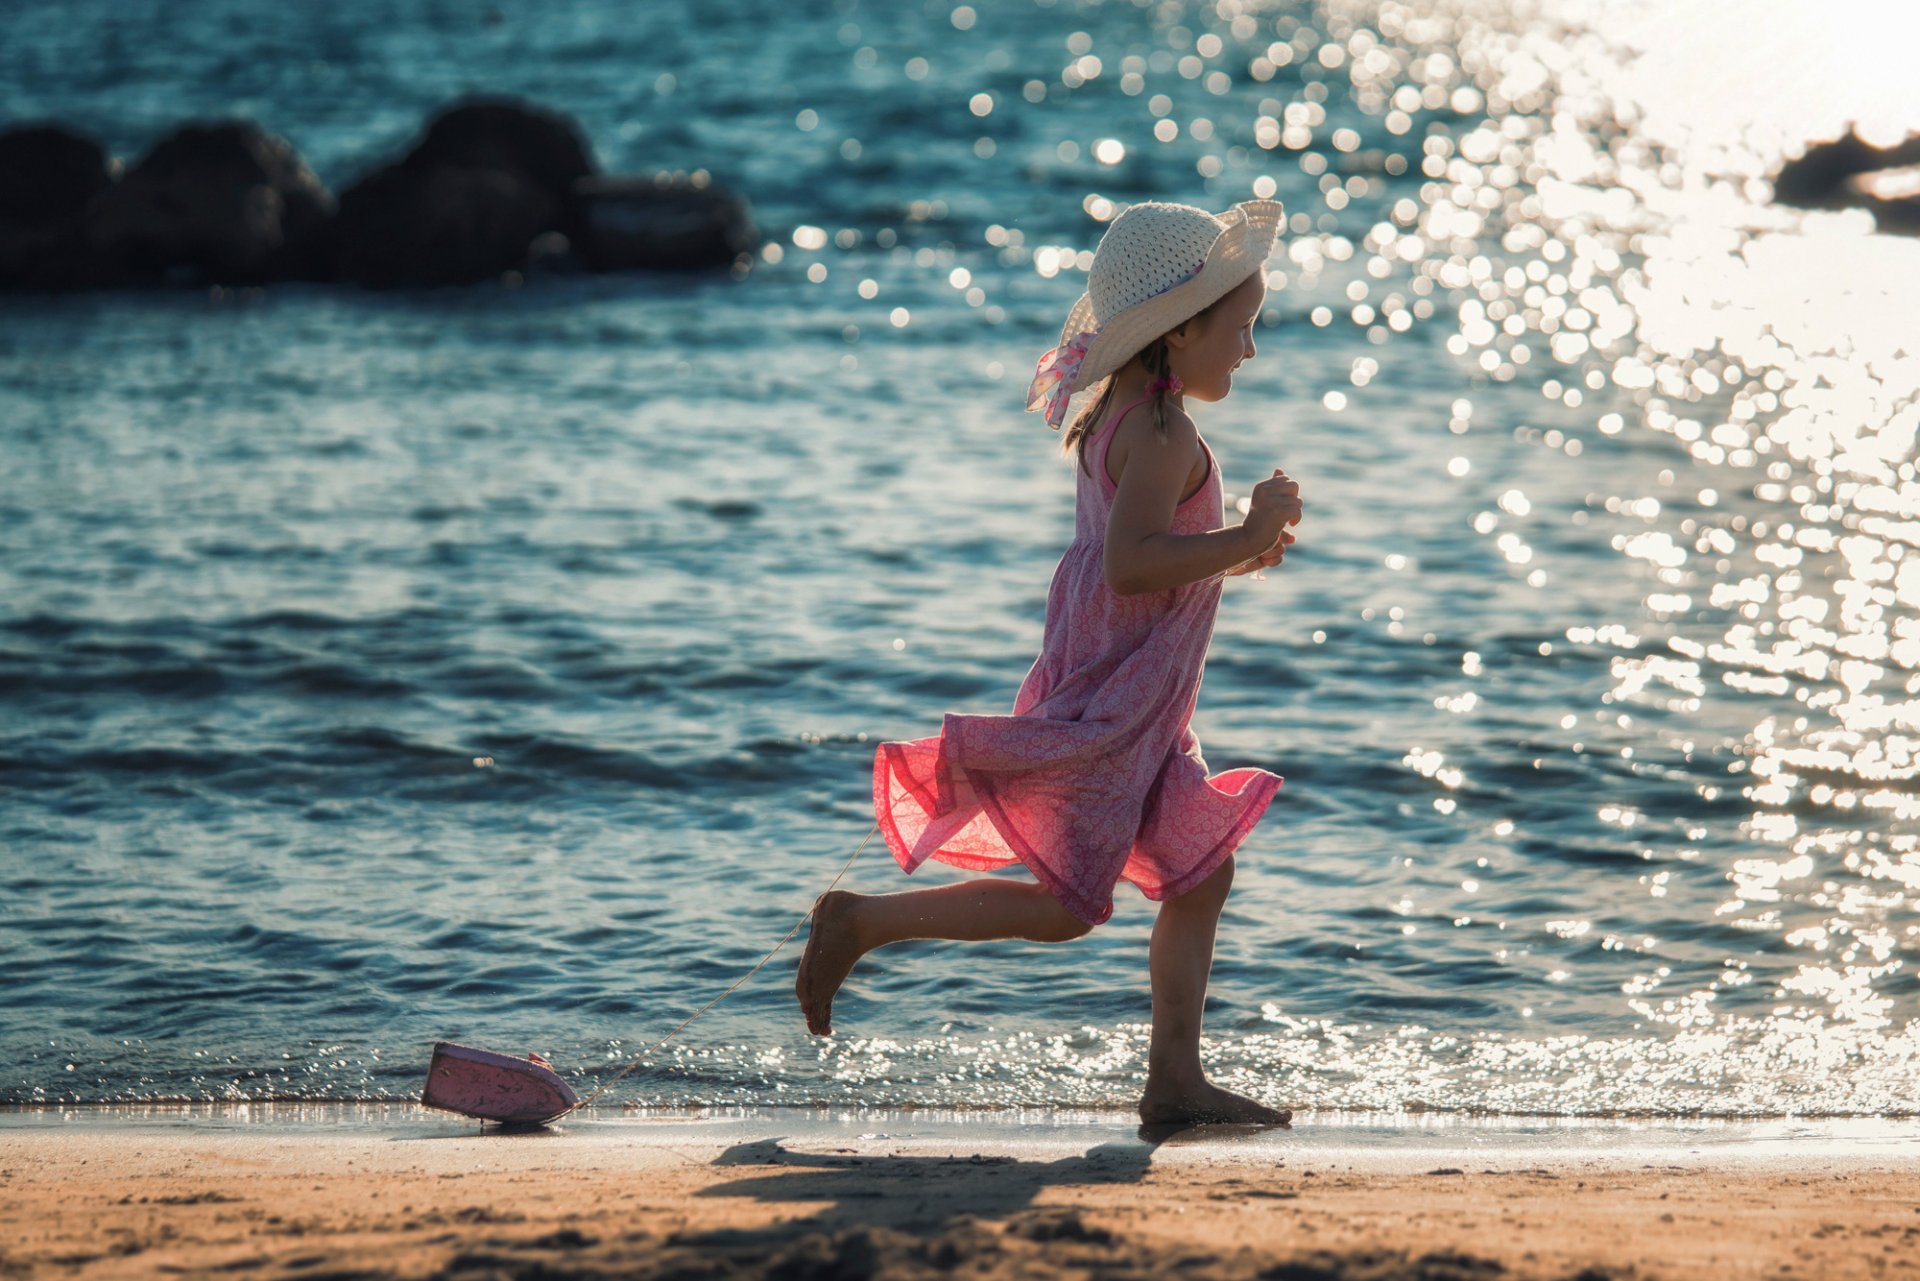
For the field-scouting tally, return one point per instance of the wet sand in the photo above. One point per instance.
(399, 1192)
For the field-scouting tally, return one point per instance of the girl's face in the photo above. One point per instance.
(1207, 349)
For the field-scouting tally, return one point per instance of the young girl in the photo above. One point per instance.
(1096, 777)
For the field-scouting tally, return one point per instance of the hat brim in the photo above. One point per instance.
(1241, 249)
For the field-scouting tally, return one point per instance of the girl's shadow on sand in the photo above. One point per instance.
(909, 1192)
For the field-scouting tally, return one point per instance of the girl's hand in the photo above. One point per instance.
(1273, 505)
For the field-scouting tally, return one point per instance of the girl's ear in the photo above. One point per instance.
(1179, 337)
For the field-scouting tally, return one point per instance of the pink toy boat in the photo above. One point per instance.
(495, 1087)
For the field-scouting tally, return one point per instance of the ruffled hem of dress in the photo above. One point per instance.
(1256, 786)
(890, 762)
(1267, 784)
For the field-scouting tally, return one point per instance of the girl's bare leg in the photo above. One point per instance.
(1180, 957)
(847, 926)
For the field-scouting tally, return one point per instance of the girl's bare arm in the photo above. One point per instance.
(1141, 555)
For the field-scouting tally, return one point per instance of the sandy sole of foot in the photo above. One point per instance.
(618, 1199)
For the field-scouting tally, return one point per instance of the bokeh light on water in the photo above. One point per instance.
(1594, 679)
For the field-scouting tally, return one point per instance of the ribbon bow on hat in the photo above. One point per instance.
(1053, 378)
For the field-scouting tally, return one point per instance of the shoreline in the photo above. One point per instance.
(398, 1191)
(1412, 1129)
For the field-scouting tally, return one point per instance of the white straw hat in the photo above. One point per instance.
(1157, 266)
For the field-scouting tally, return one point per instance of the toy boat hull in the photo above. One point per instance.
(495, 1087)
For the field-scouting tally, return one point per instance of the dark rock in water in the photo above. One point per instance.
(662, 222)
(1901, 216)
(488, 178)
(1837, 175)
(505, 133)
(50, 179)
(223, 202)
(441, 225)
(1820, 176)
(51, 173)
(492, 185)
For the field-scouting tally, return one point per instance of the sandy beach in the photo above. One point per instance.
(397, 1192)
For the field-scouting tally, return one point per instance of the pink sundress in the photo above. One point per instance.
(1097, 776)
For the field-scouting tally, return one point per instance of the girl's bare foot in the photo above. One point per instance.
(1205, 1104)
(830, 955)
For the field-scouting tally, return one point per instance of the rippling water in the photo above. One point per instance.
(505, 664)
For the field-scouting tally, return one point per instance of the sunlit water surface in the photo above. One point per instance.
(505, 664)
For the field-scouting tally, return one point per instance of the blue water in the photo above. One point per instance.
(505, 664)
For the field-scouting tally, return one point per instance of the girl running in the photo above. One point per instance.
(1097, 777)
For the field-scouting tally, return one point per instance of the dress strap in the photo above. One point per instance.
(1122, 412)
(1102, 437)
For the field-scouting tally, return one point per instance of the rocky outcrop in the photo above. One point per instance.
(487, 178)
(441, 225)
(215, 203)
(50, 180)
(668, 222)
(490, 177)
(491, 185)
(509, 135)
(1849, 174)
(51, 173)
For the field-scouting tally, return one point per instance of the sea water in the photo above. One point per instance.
(505, 664)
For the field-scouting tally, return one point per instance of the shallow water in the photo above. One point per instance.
(363, 1135)
(505, 664)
